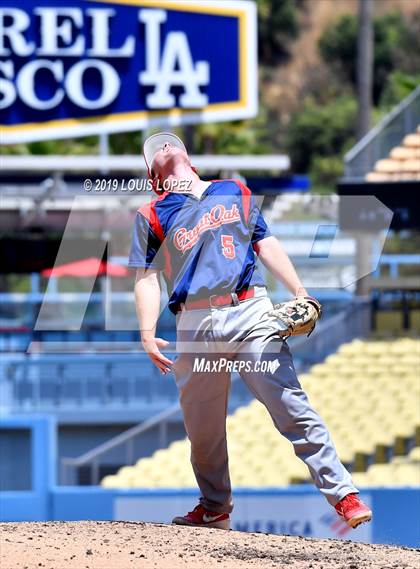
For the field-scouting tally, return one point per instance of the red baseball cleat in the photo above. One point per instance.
(203, 518)
(353, 510)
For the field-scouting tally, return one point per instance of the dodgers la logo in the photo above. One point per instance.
(185, 239)
(176, 67)
(80, 67)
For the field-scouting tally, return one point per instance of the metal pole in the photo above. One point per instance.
(104, 144)
(104, 149)
(364, 93)
(95, 473)
(130, 451)
(364, 67)
(163, 434)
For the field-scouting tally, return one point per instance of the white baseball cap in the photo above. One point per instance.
(156, 142)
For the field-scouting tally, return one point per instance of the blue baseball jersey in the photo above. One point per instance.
(202, 246)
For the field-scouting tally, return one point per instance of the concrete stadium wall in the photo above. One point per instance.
(298, 510)
(33, 503)
(291, 511)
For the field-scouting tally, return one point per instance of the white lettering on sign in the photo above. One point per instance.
(19, 23)
(169, 62)
(175, 69)
(110, 84)
(51, 31)
(73, 84)
(100, 36)
(25, 84)
(7, 89)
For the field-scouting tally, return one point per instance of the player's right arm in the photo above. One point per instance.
(147, 293)
(146, 242)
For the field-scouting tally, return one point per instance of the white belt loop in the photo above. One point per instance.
(260, 291)
(235, 299)
(211, 301)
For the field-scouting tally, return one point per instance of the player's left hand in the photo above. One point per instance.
(298, 316)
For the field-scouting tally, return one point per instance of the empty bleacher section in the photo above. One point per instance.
(368, 393)
(88, 387)
(402, 163)
(400, 471)
(395, 312)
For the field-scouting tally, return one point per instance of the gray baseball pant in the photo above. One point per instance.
(245, 332)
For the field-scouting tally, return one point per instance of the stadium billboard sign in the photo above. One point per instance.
(83, 67)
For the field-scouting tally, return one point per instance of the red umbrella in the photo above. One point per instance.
(91, 267)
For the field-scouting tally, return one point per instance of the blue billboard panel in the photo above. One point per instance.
(84, 66)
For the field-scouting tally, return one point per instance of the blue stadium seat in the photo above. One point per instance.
(126, 336)
(53, 336)
(100, 336)
(47, 381)
(86, 381)
(77, 336)
(72, 380)
(19, 342)
(4, 342)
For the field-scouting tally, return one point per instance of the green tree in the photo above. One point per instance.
(278, 24)
(324, 173)
(338, 47)
(70, 146)
(321, 130)
(407, 53)
(235, 137)
(398, 87)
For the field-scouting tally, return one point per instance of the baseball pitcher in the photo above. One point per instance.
(204, 238)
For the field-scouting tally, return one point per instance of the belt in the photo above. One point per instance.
(216, 301)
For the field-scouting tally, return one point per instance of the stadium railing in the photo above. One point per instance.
(382, 138)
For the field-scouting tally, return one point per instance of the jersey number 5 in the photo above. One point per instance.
(228, 248)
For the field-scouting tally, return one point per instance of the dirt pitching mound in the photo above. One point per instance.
(126, 545)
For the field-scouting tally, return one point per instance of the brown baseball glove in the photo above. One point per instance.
(298, 316)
